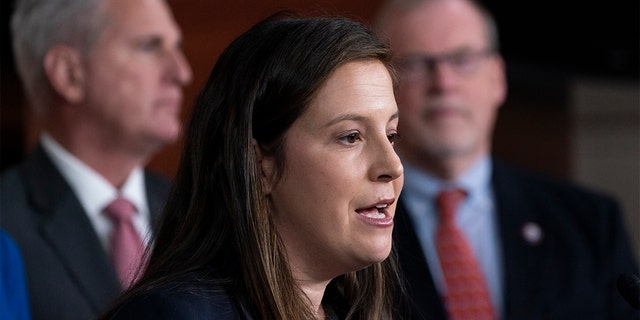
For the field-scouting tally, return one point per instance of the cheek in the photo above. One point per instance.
(323, 177)
(128, 79)
(485, 107)
(319, 184)
(131, 84)
(115, 96)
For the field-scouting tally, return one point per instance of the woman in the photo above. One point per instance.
(284, 201)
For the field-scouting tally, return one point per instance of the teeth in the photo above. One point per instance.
(375, 215)
(375, 212)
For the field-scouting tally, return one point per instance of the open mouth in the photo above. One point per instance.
(379, 211)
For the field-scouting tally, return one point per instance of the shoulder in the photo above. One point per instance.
(558, 204)
(36, 177)
(11, 183)
(18, 202)
(179, 301)
(572, 216)
(31, 190)
(552, 189)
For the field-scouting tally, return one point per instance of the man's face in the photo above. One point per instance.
(134, 75)
(451, 82)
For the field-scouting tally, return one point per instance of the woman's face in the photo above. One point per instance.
(336, 200)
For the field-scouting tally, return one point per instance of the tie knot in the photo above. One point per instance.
(120, 210)
(448, 201)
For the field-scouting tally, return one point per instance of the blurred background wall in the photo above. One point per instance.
(573, 108)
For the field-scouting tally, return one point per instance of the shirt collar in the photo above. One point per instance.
(475, 181)
(81, 177)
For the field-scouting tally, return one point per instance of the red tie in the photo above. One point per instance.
(466, 295)
(126, 245)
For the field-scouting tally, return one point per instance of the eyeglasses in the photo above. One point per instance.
(421, 66)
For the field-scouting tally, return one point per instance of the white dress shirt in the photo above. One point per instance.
(94, 192)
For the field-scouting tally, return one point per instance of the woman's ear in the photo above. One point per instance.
(266, 168)
(63, 68)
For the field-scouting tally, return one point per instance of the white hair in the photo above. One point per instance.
(38, 25)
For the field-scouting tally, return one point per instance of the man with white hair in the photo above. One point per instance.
(105, 78)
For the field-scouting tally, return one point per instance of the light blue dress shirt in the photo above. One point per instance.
(476, 217)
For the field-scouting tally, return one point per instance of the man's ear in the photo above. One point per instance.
(266, 165)
(64, 70)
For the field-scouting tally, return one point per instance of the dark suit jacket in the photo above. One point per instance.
(196, 298)
(69, 274)
(570, 274)
(182, 301)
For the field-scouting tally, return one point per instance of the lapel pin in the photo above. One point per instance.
(532, 233)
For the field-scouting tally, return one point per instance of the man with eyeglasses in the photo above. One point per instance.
(519, 245)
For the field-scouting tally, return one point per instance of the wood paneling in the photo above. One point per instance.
(209, 26)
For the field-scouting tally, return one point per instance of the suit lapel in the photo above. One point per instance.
(521, 213)
(65, 226)
(157, 190)
(424, 298)
(525, 252)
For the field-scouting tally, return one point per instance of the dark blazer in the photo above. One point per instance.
(195, 297)
(569, 274)
(69, 274)
(182, 301)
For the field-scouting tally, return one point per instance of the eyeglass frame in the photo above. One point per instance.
(463, 62)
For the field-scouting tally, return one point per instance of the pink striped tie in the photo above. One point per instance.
(126, 245)
(466, 295)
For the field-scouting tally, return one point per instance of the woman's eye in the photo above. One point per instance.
(351, 138)
(393, 137)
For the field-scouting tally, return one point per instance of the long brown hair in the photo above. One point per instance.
(217, 217)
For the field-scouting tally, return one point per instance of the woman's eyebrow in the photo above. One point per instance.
(345, 117)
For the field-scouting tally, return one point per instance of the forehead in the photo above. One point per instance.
(439, 26)
(357, 86)
(139, 17)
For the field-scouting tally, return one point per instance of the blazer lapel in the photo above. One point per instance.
(65, 226)
(157, 191)
(525, 252)
(423, 297)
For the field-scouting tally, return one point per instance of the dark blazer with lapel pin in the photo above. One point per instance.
(69, 274)
(570, 273)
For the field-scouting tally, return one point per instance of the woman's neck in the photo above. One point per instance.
(314, 292)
